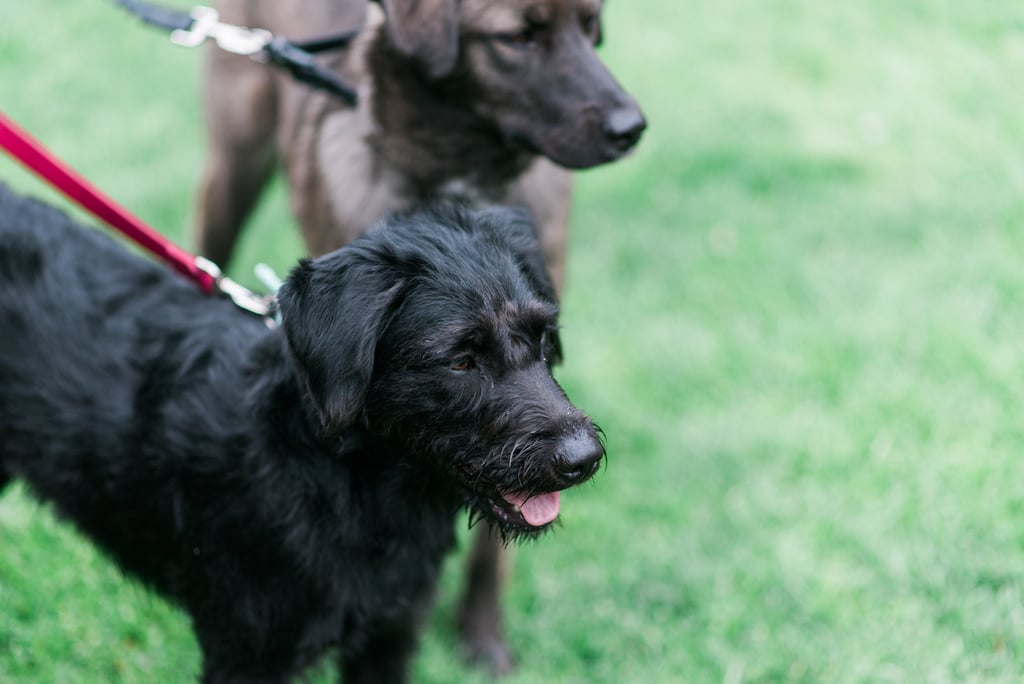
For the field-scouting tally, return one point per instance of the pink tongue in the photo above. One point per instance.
(537, 510)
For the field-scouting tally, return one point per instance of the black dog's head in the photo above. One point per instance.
(437, 331)
(527, 66)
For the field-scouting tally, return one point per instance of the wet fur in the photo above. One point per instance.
(295, 489)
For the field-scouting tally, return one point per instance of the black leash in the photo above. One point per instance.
(193, 28)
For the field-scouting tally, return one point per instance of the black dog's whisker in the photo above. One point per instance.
(475, 517)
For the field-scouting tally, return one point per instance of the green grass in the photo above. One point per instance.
(796, 312)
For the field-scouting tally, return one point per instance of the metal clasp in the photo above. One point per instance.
(206, 24)
(243, 297)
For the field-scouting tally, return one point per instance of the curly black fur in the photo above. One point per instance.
(291, 489)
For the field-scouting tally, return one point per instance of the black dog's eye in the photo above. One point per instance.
(461, 364)
(592, 27)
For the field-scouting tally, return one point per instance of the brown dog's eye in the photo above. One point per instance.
(460, 364)
(524, 38)
(592, 28)
(530, 36)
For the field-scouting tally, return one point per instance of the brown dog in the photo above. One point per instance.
(490, 100)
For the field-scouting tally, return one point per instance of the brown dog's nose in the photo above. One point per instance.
(578, 457)
(624, 126)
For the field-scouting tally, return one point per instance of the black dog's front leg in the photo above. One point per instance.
(230, 655)
(384, 659)
(217, 671)
(215, 674)
(241, 678)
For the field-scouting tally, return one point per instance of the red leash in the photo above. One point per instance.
(44, 164)
(37, 159)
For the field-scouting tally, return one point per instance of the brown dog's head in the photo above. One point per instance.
(527, 66)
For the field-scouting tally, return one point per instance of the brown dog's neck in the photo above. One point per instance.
(429, 134)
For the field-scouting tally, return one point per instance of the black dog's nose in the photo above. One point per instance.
(624, 126)
(578, 457)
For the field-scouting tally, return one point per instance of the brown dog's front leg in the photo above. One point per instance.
(479, 617)
(241, 120)
(227, 194)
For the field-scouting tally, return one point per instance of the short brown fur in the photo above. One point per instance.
(489, 100)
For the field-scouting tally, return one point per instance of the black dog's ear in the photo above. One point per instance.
(517, 228)
(334, 310)
(427, 30)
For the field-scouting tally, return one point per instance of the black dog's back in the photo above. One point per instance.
(61, 290)
(96, 296)
(94, 340)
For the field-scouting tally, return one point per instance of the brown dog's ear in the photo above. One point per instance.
(334, 310)
(427, 30)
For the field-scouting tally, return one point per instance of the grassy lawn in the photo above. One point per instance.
(796, 312)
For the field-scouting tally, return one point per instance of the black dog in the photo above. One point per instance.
(291, 489)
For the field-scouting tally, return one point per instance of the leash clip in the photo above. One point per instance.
(241, 296)
(201, 23)
(206, 24)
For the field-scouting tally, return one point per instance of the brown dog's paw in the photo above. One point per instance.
(487, 652)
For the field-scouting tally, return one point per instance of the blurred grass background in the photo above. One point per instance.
(796, 312)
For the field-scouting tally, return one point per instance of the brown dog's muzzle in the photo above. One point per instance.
(589, 119)
(623, 127)
(596, 135)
